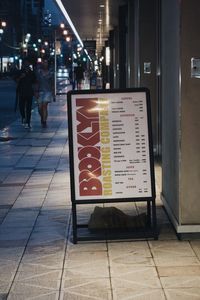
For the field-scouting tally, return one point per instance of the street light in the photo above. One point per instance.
(65, 32)
(62, 26)
(25, 44)
(55, 64)
(68, 39)
(2, 26)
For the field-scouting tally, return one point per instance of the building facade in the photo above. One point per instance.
(22, 17)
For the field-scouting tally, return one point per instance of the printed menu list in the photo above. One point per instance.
(130, 144)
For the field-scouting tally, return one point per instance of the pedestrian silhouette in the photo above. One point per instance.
(45, 90)
(25, 79)
(79, 75)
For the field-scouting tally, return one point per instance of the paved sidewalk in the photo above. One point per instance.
(37, 257)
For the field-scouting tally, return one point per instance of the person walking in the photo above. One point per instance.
(79, 75)
(25, 80)
(45, 90)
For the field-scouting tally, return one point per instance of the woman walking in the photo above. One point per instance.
(44, 95)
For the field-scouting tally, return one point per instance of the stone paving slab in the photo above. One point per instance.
(37, 257)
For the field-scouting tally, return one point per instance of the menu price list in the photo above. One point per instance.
(130, 144)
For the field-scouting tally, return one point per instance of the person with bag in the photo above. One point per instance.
(45, 90)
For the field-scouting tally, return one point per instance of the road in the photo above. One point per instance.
(7, 103)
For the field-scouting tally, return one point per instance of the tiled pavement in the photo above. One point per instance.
(38, 259)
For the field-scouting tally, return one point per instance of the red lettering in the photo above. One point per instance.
(86, 174)
(87, 114)
(89, 151)
(89, 163)
(93, 187)
(88, 135)
(88, 139)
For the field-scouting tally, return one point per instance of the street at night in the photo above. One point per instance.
(8, 113)
(99, 150)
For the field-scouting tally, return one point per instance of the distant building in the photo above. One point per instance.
(21, 17)
(32, 17)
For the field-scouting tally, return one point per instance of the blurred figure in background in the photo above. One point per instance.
(25, 79)
(79, 75)
(44, 91)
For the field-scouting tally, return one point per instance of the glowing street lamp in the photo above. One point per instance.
(2, 26)
(62, 26)
(68, 39)
(65, 32)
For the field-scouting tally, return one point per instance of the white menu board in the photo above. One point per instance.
(111, 157)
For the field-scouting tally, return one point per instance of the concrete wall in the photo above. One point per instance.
(190, 115)
(142, 42)
(180, 114)
(148, 53)
(133, 64)
(170, 56)
(180, 96)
